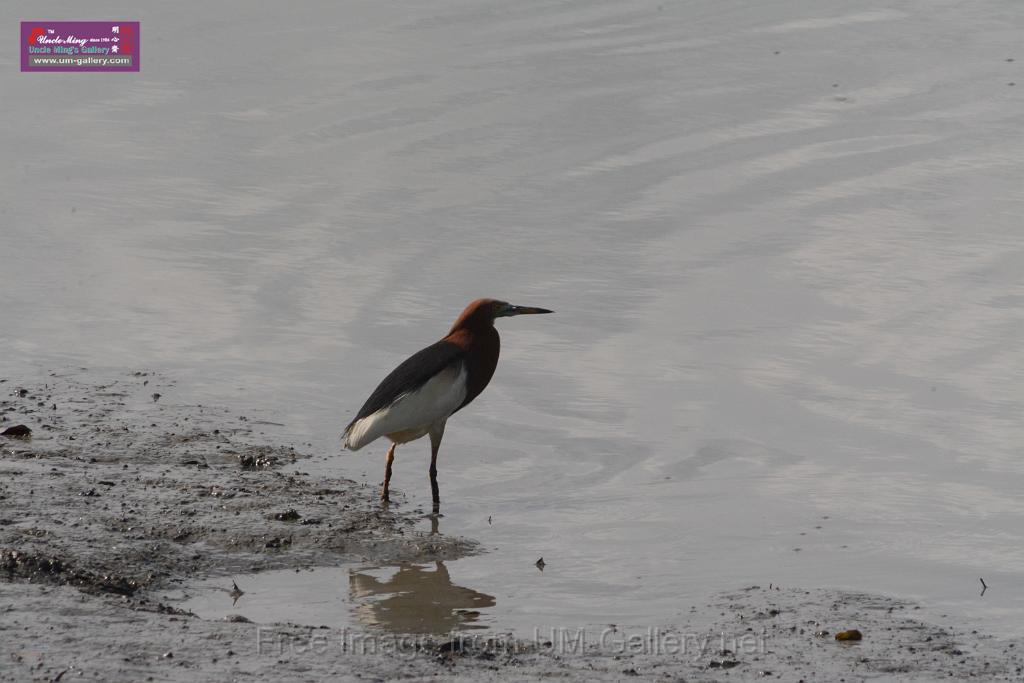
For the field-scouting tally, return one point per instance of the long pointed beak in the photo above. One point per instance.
(526, 310)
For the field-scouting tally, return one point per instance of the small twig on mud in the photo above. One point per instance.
(984, 586)
(235, 593)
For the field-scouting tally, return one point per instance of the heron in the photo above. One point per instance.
(419, 396)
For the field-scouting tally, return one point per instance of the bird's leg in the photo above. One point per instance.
(433, 483)
(387, 473)
(436, 434)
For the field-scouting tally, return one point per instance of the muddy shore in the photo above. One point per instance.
(119, 495)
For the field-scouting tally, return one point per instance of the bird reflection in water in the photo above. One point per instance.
(416, 599)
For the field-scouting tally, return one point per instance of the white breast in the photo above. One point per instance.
(412, 414)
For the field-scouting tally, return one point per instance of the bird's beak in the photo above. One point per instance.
(523, 310)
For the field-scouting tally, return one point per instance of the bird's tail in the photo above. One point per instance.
(354, 436)
(346, 437)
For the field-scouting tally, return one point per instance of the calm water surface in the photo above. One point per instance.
(783, 244)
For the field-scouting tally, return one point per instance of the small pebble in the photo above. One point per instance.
(17, 431)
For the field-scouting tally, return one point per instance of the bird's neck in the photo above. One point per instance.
(481, 347)
(467, 336)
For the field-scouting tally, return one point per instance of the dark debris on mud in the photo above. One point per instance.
(35, 568)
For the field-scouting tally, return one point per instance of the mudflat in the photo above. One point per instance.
(116, 499)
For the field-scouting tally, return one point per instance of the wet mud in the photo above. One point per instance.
(114, 493)
(59, 633)
(115, 499)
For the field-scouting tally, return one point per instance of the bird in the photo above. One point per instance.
(419, 396)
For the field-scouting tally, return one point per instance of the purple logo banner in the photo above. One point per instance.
(79, 46)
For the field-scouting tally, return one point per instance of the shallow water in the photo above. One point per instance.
(408, 598)
(782, 242)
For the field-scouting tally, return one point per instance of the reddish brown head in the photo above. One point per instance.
(480, 314)
(474, 333)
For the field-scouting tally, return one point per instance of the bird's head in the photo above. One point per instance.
(484, 312)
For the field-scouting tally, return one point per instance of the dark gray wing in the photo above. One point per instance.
(412, 374)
